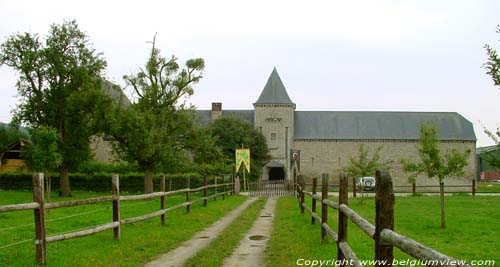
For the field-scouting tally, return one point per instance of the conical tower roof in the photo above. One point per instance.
(274, 92)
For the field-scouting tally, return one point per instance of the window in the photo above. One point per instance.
(273, 136)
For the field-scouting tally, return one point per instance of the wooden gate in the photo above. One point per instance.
(277, 188)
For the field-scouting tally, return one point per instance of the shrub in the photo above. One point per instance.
(92, 166)
(101, 181)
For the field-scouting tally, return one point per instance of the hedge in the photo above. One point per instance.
(101, 182)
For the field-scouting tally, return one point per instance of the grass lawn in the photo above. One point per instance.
(140, 242)
(472, 233)
(223, 246)
(488, 187)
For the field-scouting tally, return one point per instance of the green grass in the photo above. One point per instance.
(140, 242)
(227, 241)
(294, 237)
(472, 233)
(488, 187)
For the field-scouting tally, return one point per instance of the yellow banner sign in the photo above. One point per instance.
(243, 157)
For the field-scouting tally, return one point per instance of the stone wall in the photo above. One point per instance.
(276, 120)
(102, 150)
(330, 156)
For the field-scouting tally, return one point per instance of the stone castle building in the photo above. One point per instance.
(325, 140)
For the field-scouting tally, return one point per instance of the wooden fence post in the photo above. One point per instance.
(324, 207)
(115, 189)
(302, 185)
(224, 188)
(40, 234)
(354, 187)
(237, 185)
(205, 191)
(384, 216)
(473, 187)
(162, 198)
(297, 185)
(342, 230)
(414, 188)
(215, 183)
(313, 205)
(188, 186)
(234, 180)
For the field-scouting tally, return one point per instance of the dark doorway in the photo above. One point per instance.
(276, 173)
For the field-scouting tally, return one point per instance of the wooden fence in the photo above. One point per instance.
(412, 188)
(39, 207)
(382, 232)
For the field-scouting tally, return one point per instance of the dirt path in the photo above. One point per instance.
(250, 251)
(188, 249)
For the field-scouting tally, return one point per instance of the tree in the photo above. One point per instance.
(207, 154)
(435, 165)
(59, 87)
(156, 127)
(42, 155)
(493, 69)
(493, 64)
(361, 165)
(232, 133)
(493, 158)
(9, 135)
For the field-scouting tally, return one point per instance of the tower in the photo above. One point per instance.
(274, 118)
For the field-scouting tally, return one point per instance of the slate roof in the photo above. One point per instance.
(486, 149)
(115, 93)
(379, 125)
(367, 125)
(203, 117)
(274, 91)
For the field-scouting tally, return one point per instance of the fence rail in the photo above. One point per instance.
(382, 232)
(39, 207)
(412, 188)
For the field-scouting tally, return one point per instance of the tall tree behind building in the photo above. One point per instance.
(231, 133)
(156, 126)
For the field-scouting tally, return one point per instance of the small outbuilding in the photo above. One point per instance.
(484, 156)
(10, 157)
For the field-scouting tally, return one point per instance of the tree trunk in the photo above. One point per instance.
(148, 179)
(441, 196)
(64, 187)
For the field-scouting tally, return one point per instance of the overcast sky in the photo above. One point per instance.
(331, 55)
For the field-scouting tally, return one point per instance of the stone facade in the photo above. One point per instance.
(276, 123)
(102, 150)
(326, 140)
(330, 156)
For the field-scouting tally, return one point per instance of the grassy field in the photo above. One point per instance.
(472, 233)
(488, 187)
(224, 245)
(140, 242)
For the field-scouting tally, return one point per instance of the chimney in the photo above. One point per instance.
(216, 111)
